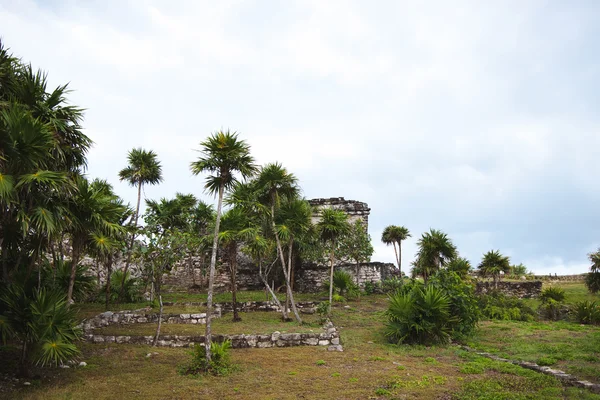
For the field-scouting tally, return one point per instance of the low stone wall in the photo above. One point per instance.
(522, 290)
(329, 337)
(561, 278)
(141, 317)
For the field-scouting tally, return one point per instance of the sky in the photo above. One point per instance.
(478, 118)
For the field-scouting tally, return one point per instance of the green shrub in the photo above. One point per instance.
(219, 364)
(343, 286)
(42, 321)
(498, 306)
(421, 316)
(552, 293)
(131, 292)
(391, 285)
(58, 279)
(372, 287)
(552, 303)
(586, 312)
(463, 303)
(323, 309)
(592, 281)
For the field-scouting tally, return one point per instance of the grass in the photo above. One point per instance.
(368, 368)
(570, 347)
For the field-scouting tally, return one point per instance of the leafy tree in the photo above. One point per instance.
(435, 251)
(332, 226)
(274, 184)
(519, 270)
(143, 169)
(356, 245)
(494, 264)
(394, 235)
(223, 155)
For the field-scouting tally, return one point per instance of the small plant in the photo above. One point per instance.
(338, 298)
(391, 285)
(353, 380)
(586, 312)
(400, 367)
(336, 374)
(552, 300)
(498, 306)
(323, 309)
(430, 360)
(382, 392)
(219, 363)
(320, 362)
(372, 287)
(546, 361)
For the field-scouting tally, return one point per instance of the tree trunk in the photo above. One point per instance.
(289, 267)
(130, 248)
(233, 274)
(284, 313)
(282, 258)
(23, 362)
(159, 321)
(357, 270)
(109, 263)
(396, 253)
(74, 261)
(331, 255)
(211, 277)
(400, 258)
(4, 260)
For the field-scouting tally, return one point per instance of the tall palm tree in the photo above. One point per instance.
(461, 266)
(394, 235)
(435, 250)
(223, 156)
(494, 264)
(275, 183)
(333, 225)
(143, 169)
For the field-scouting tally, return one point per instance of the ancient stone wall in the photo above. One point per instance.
(355, 209)
(522, 290)
(311, 278)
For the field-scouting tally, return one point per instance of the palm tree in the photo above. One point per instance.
(394, 235)
(435, 251)
(143, 169)
(333, 225)
(223, 155)
(275, 183)
(461, 266)
(233, 223)
(293, 221)
(493, 264)
(94, 212)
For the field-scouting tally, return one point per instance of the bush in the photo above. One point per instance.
(421, 316)
(372, 287)
(391, 285)
(592, 281)
(42, 321)
(496, 305)
(552, 303)
(131, 293)
(343, 286)
(219, 364)
(58, 279)
(586, 312)
(463, 303)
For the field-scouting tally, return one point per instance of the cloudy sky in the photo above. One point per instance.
(479, 118)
